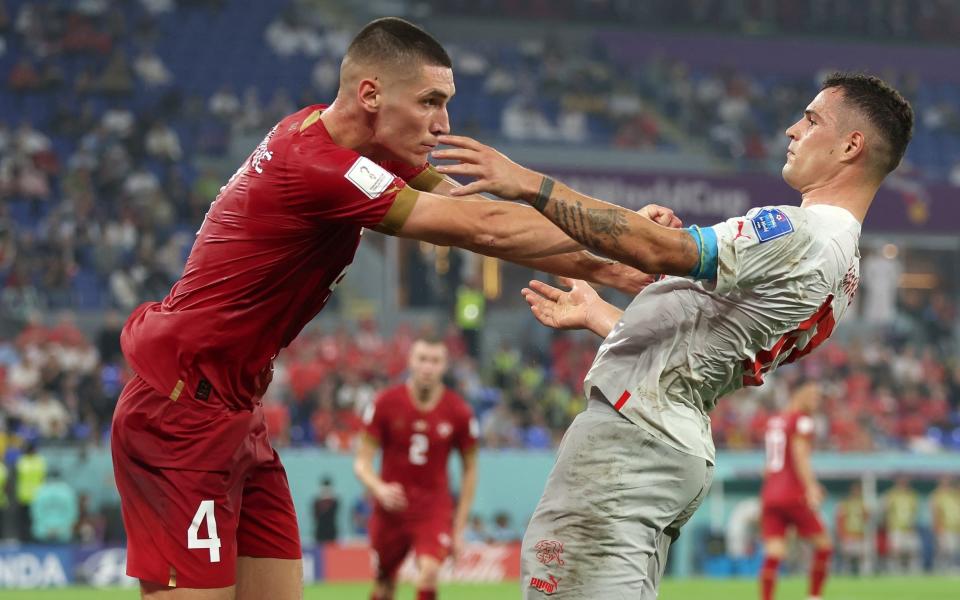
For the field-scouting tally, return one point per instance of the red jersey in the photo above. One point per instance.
(782, 483)
(416, 445)
(276, 241)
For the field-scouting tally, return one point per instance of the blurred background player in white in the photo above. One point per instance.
(417, 424)
(635, 466)
(852, 518)
(791, 493)
(945, 514)
(901, 506)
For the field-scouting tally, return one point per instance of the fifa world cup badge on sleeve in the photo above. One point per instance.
(369, 177)
(770, 224)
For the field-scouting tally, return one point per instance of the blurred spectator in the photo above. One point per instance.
(224, 104)
(954, 176)
(31, 472)
(90, 527)
(325, 507)
(901, 508)
(5, 504)
(476, 531)
(880, 279)
(502, 532)
(54, 510)
(851, 527)
(945, 516)
(117, 77)
(24, 77)
(163, 142)
(150, 69)
(360, 515)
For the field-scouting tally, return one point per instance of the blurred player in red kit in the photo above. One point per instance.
(791, 494)
(417, 424)
(206, 503)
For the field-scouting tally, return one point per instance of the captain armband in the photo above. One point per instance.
(427, 179)
(708, 251)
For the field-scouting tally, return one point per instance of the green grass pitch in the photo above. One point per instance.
(878, 588)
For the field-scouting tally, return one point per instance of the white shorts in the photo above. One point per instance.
(613, 503)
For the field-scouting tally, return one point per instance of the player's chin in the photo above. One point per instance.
(787, 173)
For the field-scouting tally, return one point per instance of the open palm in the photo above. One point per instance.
(561, 309)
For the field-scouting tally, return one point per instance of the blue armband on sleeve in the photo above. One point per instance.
(707, 248)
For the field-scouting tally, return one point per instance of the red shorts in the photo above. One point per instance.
(199, 485)
(775, 518)
(392, 538)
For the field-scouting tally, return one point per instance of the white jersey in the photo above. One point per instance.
(785, 276)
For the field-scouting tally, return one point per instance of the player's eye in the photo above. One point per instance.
(812, 122)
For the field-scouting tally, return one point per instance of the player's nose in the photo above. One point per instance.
(791, 131)
(441, 126)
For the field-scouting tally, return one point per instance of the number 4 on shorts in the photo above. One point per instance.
(211, 543)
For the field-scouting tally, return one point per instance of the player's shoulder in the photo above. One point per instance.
(390, 399)
(391, 394)
(309, 137)
(290, 128)
(455, 402)
(772, 223)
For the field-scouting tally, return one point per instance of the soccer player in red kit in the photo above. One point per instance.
(417, 424)
(791, 494)
(205, 500)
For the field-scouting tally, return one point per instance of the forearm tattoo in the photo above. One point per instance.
(589, 226)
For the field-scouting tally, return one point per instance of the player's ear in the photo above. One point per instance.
(853, 145)
(369, 94)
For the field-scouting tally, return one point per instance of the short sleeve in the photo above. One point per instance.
(805, 426)
(342, 186)
(758, 247)
(374, 420)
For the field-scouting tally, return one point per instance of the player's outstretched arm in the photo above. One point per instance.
(511, 232)
(580, 307)
(605, 228)
(578, 264)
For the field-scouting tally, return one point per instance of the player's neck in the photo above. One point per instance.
(424, 399)
(348, 128)
(853, 196)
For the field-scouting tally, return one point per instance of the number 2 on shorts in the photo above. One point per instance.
(211, 543)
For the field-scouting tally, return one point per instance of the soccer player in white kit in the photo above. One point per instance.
(746, 296)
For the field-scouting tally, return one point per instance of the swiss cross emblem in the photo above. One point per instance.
(444, 429)
(549, 551)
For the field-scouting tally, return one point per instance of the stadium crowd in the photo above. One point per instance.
(925, 20)
(102, 184)
(100, 194)
(104, 170)
(900, 391)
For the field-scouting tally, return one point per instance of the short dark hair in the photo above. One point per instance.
(430, 338)
(883, 106)
(395, 39)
